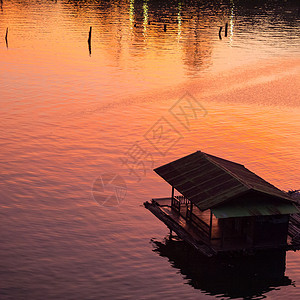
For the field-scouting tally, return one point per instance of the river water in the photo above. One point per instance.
(156, 83)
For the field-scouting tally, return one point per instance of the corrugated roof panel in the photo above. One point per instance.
(248, 178)
(222, 197)
(207, 180)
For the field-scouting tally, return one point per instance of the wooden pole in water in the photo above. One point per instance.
(226, 27)
(90, 41)
(6, 37)
(165, 27)
(90, 35)
(220, 37)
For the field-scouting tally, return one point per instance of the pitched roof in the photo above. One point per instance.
(208, 181)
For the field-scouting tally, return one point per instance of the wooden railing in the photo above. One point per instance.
(177, 201)
(182, 199)
(176, 204)
(197, 222)
(200, 224)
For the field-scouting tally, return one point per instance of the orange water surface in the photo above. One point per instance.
(68, 117)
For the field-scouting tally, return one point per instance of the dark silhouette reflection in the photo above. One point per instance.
(239, 277)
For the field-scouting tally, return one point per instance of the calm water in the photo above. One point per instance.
(70, 118)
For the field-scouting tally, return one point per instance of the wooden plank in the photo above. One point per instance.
(182, 233)
(294, 232)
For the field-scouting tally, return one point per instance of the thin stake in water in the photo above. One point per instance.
(90, 41)
(6, 37)
(226, 28)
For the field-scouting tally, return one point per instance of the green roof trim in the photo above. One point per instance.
(261, 208)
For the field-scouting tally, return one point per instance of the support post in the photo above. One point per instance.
(210, 225)
(220, 36)
(222, 231)
(226, 28)
(172, 199)
(191, 212)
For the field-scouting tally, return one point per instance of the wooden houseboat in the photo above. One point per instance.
(219, 206)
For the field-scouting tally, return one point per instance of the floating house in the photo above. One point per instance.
(217, 205)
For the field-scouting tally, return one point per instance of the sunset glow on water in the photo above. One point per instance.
(69, 116)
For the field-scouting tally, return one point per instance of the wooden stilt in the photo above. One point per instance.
(6, 34)
(220, 37)
(226, 28)
(90, 40)
(90, 35)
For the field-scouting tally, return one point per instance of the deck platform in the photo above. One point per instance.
(294, 226)
(196, 233)
(176, 223)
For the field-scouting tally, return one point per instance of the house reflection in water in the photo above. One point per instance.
(223, 276)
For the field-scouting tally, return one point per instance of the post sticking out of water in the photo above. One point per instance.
(165, 27)
(6, 37)
(90, 35)
(226, 27)
(90, 41)
(220, 37)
